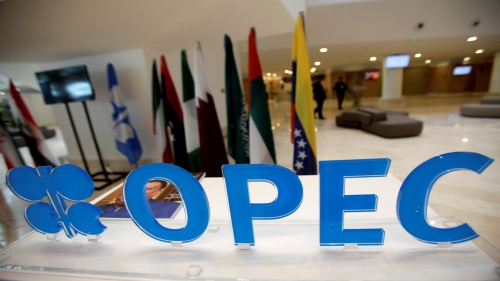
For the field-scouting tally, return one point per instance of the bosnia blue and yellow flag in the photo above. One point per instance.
(302, 115)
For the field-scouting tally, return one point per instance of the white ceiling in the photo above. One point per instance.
(353, 31)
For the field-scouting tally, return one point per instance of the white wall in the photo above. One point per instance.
(20, 72)
(392, 83)
(131, 72)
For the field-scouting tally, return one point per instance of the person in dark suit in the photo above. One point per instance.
(160, 209)
(319, 97)
(340, 87)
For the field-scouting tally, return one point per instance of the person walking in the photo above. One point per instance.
(319, 97)
(340, 87)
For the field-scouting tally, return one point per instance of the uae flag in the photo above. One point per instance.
(237, 116)
(261, 134)
(31, 132)
(190, 116)
(160, 129)
(212, 149)
(175, 117)
(8, 148)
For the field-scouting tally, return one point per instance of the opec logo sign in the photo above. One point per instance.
(71, 183)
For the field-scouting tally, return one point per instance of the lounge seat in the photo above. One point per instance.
(487, 107)
(387, 124)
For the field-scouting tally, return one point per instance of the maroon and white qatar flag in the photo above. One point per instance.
(212, 149)
(31, 132)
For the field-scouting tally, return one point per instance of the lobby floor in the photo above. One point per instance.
(470, 197)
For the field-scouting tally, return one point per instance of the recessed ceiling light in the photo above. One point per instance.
(274, 75)
(318, 63)
(480, 51)
(373, 58)
(465, 139)
(427, 61)
(287, 71)
(473, 38)
(466, 58)
(313, 69)
(323, 50)
(268, 74)
(418, 55)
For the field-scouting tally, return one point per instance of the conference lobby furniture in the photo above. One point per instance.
(384, 123)
(487, 107)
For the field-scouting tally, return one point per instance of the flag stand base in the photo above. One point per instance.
(103, 176)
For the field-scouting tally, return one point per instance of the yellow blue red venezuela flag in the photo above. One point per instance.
(302, 115)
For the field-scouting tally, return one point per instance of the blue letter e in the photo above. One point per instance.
(193, 197)
(334, 202)
(414, 195)
(242, 211)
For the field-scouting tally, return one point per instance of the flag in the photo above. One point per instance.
(237, 116)
(190, 116)
(261, 134)
(8, 148)
(212, 149)
(126, 139)
(159, 122)
(302, 116)
(175, 117)
(32, 134)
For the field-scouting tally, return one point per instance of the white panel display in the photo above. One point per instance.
(397, 61)
(462, 70)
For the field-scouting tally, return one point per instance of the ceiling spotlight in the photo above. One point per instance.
(313, 69)
(287, 71)
(274, 75)
(268, 74)
(418, 55)
(373, 58)
(290, 72)
(323, 50)
(466, 58)
(480, 51)
(473, 38)
(427, 61)
(318, 63)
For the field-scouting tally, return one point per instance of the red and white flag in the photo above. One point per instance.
(31, 132)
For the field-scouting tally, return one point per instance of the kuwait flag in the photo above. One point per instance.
(159, 121)
(175, 117)
(212, 149)
(190, 116)
(261, 135)
(31, 132)
(302, 115)
(8, 148)
(237, 116)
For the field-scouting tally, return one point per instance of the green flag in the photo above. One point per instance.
(237, 116)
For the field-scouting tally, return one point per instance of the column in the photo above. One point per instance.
(392, 85)
(495, 75)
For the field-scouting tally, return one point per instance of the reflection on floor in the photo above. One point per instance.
(472, 198)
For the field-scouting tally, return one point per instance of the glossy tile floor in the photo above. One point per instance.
(472, 198)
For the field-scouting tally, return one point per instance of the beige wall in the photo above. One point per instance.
(441, 79)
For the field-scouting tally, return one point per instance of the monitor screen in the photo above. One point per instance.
(66, 85)
(372, 75)
(462, 70)
(397, 61)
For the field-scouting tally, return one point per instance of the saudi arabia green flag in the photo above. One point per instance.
(237, 116)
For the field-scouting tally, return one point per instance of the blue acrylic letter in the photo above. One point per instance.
(242, 211)
(414, 195)
(334, 202)
(194, 199)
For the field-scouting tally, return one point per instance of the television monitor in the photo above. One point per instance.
(372, 75)
(397, 61)
(66, 85)
(462, 70)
